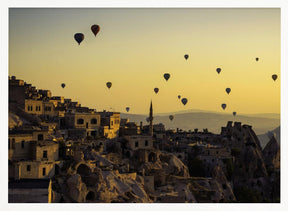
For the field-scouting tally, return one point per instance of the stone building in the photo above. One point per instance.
(56, 100)
(30, 191)
(110, 124)
(130, 128)
(31, 155)
(34, 106)
(136, 142)
(16, 91)
(88, 123)
(39, 163)
(19, 146)
(221, 152)
(39, 107)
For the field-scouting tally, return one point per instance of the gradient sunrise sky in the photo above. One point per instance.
(135, 47)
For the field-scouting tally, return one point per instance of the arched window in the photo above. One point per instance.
(80, 121)
(22, 144)
(94, 121)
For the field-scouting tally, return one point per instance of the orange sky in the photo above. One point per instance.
(135, 47)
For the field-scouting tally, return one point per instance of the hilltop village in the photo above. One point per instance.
(62, 152)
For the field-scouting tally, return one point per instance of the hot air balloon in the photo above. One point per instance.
(63, 85)
(218, 70)
(127, 109)
(95, 29)
(156, 90)
(79, 37)
(179, 96)
(186, 56)
(234, 113)
(184, 101)
(257, 59)
(147, 119)
(228, 90)
(223, 106)
(274, 77)
(171, 117)
(166, 76)
(109, 84)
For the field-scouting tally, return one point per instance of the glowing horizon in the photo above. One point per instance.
(135, 47)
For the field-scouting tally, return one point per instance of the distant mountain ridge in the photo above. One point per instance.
(265, 138)
(261, 123)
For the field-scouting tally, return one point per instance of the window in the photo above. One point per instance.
(111, 123)
(93, 133)
(45, 154)
(44, 171)
(28, 167)
(80, 121)
(94, 121)
(13, 143)
(31, 108)
(40, 137)
(22, 144)
(47, 108)
(8, 143)
(136, 144)
(146, 143)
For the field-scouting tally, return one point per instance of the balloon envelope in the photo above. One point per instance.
(184, 101)
(95, 29)
(63, 85)
(156, 90)
(223, 106)
(171, 117)
(257, 59)
(166, 76)
(234, 113)
(228, 90)
(218, 70)
(274, 77)
(127, 109)
(109, 84)
(186, 56)
(147, 119)
(179, 96)
(79, 37)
